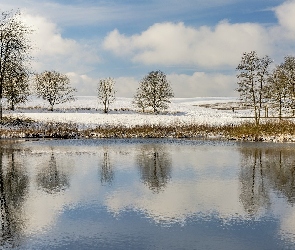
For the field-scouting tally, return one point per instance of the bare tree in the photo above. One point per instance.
(106, 92)
(16, 90)
(289, 68)
(154, 91)
(252, 81)
(54, 87)
(14, 48)
(139, 100)
(278, 89)
(263, 74)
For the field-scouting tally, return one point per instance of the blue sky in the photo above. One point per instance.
(198, 44)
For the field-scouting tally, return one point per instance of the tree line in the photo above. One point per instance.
(54, 87)
(263, 86)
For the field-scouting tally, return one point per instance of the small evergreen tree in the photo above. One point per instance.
(154, 91)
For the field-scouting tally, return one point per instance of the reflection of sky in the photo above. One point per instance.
(201, 200)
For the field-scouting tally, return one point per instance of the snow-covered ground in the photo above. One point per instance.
(87, 112)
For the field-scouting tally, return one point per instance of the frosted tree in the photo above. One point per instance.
(252, 81)
(16, 89)
(263, 74)
(154, 91)
(106, 92)
(14, 49)
(54, 87)
(278, 89)
(289, 68)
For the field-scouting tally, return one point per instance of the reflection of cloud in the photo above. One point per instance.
(287, 226)
(181, 200)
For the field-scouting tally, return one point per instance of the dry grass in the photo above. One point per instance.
(26, 128)
(270, 128)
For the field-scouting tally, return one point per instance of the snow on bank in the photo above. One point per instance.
(86, 111)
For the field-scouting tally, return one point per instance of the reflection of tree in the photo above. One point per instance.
(254, 195)
(155, 166)
(263, 170)
(51, 178)
(280, 165)
(13, 188)
(106, 169)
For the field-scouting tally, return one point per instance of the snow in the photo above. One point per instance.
(87, 112)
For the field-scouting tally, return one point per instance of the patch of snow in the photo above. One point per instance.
(86, 111)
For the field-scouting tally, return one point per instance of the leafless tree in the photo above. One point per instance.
(54, 87)
(289, 68)
(278, 89)
(14, 48)
(139, 100)
(252, 81)
(106, 92)
(154, 91)
(16, 90)
(263, 74)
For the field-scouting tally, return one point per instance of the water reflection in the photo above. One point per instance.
(106, 169)
(51, 178)
(223, 195)
(280, 170)
(14, 184)
(254, 193)
(263, 170)
(154, 164)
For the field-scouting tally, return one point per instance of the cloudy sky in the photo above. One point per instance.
(197, 43)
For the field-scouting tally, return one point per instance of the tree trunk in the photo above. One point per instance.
(280, 111)
(1, 110)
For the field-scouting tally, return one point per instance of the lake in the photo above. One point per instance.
(146, 194)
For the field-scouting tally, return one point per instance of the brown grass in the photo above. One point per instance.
(26, 128)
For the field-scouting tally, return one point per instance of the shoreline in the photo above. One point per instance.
(283, 131)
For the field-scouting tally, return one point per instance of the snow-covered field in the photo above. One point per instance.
(87, 112)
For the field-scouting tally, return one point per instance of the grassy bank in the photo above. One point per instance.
(268, 131)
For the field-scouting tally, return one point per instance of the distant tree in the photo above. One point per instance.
(263, 74)
(289, 68)
(54, 87)
(252, 81)
(154, 91)
(106, 92)
(16, 89)
(14, 49)
(278, 89)
(139, 100)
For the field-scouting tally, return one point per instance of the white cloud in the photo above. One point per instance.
(203, 84)
(195, 85)
(177, 44)
(286, 17)
(87, 86)
(75, 13)
(53, 51)
(83, 83)
(126, 86)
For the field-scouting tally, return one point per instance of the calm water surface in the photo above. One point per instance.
(146, 194)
